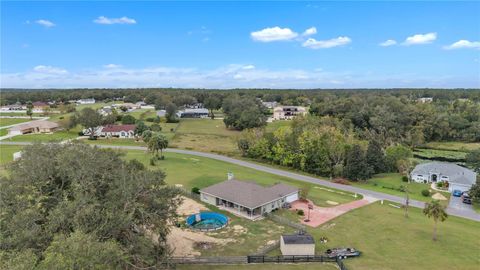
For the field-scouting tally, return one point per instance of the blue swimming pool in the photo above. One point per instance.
(207, 221)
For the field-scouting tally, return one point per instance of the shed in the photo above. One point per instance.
(301, 244)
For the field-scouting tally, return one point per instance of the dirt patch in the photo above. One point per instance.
(185, 242)
(438, 196)
(332, 203)
(190, 207)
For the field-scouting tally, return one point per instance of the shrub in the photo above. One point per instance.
(300, 212)
(196, 190)
(149, 119)
(426, 193)
(152, 161)
(156, 127)
(341, 181)
(404, 178)
(440, 184)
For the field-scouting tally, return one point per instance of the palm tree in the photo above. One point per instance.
(436, 211)
(157, 142)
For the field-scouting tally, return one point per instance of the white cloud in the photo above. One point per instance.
(324, 44)
(122, 20)
(310, 31)
(420, 39)
(224, 77)
(50, 70)
(387, 43)
(45, 23)
(463, 44)
(273, 34)
(112, 66)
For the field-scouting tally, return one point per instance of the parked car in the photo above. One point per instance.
(466, 199)
(457, 193)
(342, 253)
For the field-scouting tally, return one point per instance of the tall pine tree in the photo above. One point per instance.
(376, 157)
(356, 167)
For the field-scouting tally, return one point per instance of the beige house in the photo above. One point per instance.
(248, 199)
(301, 244)
(288, 112)
(39, 126)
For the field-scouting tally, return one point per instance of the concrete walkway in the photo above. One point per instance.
(300, 177)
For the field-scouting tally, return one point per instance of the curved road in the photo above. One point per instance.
(465, 213)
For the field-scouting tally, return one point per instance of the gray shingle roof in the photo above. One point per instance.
(297, 239)
(455, 173)
(248, 194)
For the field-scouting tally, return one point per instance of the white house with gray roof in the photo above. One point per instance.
(458, 177)
(248, 199)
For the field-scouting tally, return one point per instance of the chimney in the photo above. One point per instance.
(229, 176)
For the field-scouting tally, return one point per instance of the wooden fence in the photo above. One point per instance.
(210, 260)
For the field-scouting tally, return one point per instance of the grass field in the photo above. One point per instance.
(390, 182)
(455, 146)
(434, 153)
(205, 135)
(388, 240)
(115, 141)
(191, 171)
(6, 152)
(12, 121)
(3, 131)
(45, 137)
(271, 127)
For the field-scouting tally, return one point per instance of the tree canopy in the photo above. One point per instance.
(73, 206)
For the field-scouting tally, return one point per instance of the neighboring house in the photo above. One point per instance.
(288, 112)
(425, 100)
(86, 101)
(161, 113)
(193, 113)
(194, 106)
(248, 199)
(105, 111)
(39, 106)
(13, 107)
(297, 244)
(456, 176)
(120, 131)
(39, 126)
(130, 106)
(269, 104)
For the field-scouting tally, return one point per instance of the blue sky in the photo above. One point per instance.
(240, 44)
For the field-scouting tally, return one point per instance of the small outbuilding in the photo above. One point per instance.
(300, 244)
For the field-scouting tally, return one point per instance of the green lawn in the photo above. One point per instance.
(390, 182)
(115, 141)
(434, 153)
(6, 152)
(12, 121)
(44, 137)
(388, 240)
(271, 127)
(191, 171)
(141, 114)
(205, 135)
(3, 131)
(456, 146)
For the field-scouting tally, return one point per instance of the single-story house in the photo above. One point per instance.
(457, 176)
(107, 110)
(288, 112)
(120, 131)
(269, 104)
(193, 113)
(39, 126)
(13, 107)
(86, 101)
(248, 199)
(297, 245)
(425, 100)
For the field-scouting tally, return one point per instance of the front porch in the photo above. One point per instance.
(239, 210)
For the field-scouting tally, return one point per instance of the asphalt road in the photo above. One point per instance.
(460, 212)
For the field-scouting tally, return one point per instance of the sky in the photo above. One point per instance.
(57, 44)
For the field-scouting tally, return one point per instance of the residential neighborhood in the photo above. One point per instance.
(239, 135)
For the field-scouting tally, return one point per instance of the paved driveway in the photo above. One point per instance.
(456, 203)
